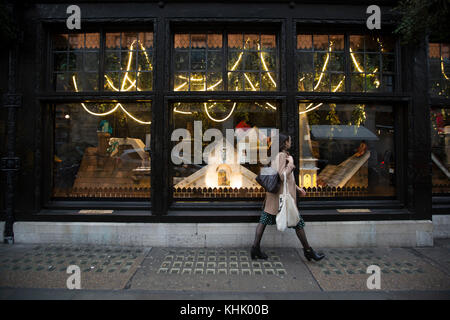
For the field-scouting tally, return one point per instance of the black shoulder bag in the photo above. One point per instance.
(269, 179)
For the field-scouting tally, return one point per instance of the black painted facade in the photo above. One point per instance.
(26, 125)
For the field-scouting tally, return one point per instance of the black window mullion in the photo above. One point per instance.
(225, 60)
(101, 71)
(244, 56)
(206, 62)
(190, 68)
(347, 59)
(259, 53)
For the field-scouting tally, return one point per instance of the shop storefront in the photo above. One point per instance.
(96, 126)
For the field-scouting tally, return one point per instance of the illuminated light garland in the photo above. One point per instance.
(442, 69)
(229, 72)
(118, 105)
(191, 78)
(181, 86)
(273, 107)
(182, 112)
(215, 85)
(265, 67)
(315, 107)
(355, 62)
(358, 67)
(132, 117)
(179, 111)
(217, 120)
(126, 78)
(251, 84)
(324, 66)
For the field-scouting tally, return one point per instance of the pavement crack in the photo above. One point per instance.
(128, 284)
(309, 270)
(431, 261)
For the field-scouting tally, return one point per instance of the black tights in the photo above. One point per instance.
(299, 231)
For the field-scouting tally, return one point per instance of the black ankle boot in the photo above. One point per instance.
(311, 254)
(257, 253)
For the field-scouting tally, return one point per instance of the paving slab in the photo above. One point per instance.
(345, 270)
(439, 257)
(45, 266)
(222, 270)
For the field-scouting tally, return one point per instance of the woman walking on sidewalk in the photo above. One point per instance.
(283, 163)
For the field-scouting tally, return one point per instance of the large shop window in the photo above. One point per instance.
(200, 61)
(127, 62)
(346, 150)
(102, 150)
(439, 61)
(102, 147)
(440, 154)
(226, 165)
(324, 63)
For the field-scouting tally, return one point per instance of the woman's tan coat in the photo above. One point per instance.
(281, 164)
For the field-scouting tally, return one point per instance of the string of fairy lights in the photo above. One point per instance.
(133, 83)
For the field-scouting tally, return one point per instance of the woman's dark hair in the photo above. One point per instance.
(283, 137)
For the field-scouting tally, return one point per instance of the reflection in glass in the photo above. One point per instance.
(440, 150)
(439, 61)
(129, 61)
(252, 62)
(346, 150)
(102, 150)
(76, 56)
(372, 63)
(229, 166)
(197, 62)
(320, 63)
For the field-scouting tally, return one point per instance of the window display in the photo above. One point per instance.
(198, 62)
(76, 55)
(321, 63)
(372, 63)
(439, 61)
(346, 150)
(251, 62)
(102, 150)
(225, 166)
(322, 60)
(440, 150)
(127, 63)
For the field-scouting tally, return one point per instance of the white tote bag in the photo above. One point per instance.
(287, 210)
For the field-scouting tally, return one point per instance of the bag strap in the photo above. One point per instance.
(284, 184)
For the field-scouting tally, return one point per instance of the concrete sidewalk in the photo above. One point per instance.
(40, 272)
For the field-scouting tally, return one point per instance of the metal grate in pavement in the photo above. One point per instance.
(348, 261)
(219, 262)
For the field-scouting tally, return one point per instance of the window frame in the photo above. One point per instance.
(102, 31)
(165, 209)
(271, 26)
(440, 203)
(51, 97)
(347, 32)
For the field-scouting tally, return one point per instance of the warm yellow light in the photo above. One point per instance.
(355, 62)
(315, 107)
(273, 107)
(217, 120)
(251, 84)
(182, 112)
(442, 69)
(118, 105)
(265, 67)
(180, 86)
(324, 66)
